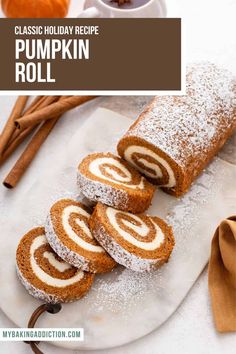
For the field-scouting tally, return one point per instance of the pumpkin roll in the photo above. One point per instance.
(106, 178)
(175, 137)
(138, 242)
(68, 233)
(46, 276)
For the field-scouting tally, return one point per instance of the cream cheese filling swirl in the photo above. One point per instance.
(112, 170)
(60, 266)
(144, 234)
(138, 157)
(82, 237)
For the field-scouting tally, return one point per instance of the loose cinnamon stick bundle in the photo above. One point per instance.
(52, 111)
(34, 104)
(10, 125)
(28, 155)
(45, 102)
(15, 143)
(46, 113)
(19, 136)
(37, 103)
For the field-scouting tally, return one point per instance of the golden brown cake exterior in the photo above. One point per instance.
(175, 137)
(106, 178)
(138, 242)
(44, 275)
(68, 233)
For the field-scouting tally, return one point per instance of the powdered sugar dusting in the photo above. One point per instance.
(124, 290)
(37, 293)
(105, 193)
(188, 210)
(201, 117)
(120, 255)
(106, 178)
(62, 250)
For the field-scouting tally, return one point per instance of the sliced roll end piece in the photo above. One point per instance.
(159, 168)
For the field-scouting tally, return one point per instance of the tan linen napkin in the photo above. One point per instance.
(222, 276)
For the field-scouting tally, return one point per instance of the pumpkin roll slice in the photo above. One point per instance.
(68, 233)
(175, 137)
(138, 242)
(46, 276)
(106, 178)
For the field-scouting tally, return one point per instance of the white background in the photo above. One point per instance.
(210, 28)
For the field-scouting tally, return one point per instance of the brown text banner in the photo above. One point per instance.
(90, 54)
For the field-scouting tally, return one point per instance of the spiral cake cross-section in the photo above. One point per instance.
(68, 233)
(106, 178)
(45, 275)
(136, 241)
(175, 137)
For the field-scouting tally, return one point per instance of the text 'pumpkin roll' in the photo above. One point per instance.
(176, 136)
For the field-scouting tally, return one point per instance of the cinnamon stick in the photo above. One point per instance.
(37, 103)
(19, 136)
(10, 125)
(15, 143)
(54, 110)
(43, 103)
(28, 155)
(34, 104)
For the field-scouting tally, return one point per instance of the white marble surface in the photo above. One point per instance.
(189, 331)
(122, 301)
(210, 27)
